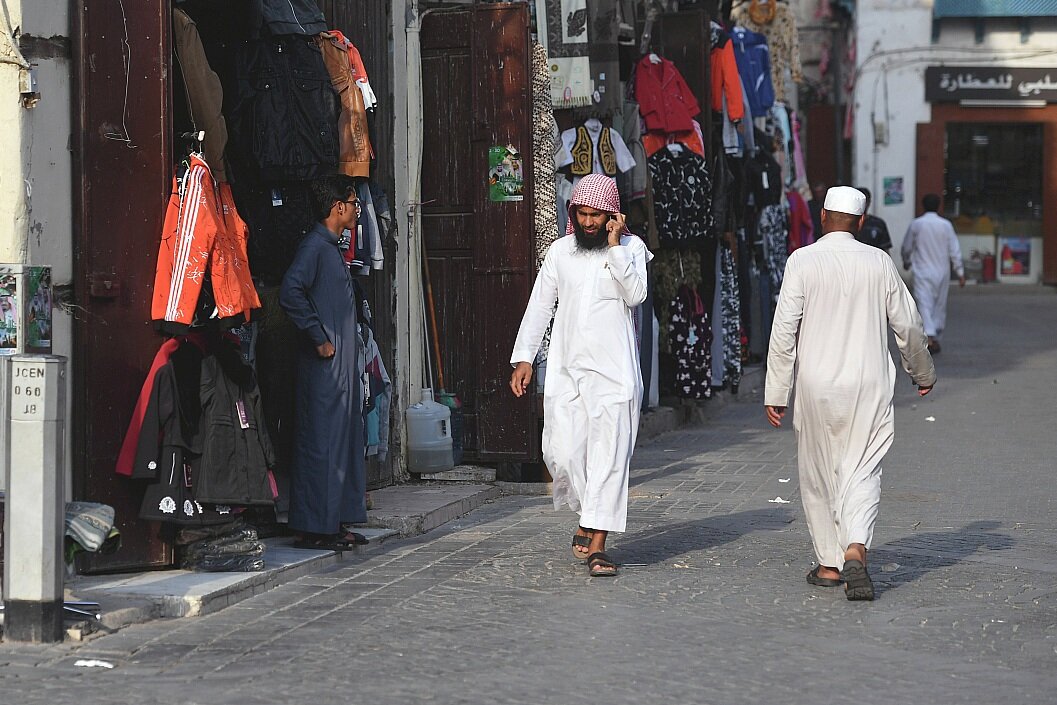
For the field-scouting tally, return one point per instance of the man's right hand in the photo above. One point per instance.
(519, 380)
(326, 350)
(775, 414)
(922, 391)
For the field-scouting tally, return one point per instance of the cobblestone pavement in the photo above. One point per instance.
(711, 605)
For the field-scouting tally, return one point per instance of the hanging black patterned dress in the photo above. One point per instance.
(690, 335)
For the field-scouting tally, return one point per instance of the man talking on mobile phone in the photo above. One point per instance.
(596, 274)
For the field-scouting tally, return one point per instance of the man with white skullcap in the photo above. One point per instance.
(593, 388)
(830, 341)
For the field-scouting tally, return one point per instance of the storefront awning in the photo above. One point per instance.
(994, 8)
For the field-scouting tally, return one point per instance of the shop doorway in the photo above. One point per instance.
(993, 188)
(996, 169)
(124, 155)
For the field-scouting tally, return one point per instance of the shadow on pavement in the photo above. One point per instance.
(662, 542)
(921, 554)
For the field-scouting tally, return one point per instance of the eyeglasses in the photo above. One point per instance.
(356, 203)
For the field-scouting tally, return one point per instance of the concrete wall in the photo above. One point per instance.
(894, 39)
(35, 163)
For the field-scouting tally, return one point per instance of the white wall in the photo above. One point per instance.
(894, 39)
(36, 199)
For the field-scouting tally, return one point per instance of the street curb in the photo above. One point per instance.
(407, 509)
(168, 594)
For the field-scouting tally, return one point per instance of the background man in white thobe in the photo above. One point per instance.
(930, 250)
(593, 387)
(830, 340)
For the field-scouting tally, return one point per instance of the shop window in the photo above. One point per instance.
(994, 178)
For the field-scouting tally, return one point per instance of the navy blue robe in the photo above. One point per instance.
(328, 479)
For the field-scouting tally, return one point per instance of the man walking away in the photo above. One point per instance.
(930, 250)
(874, 230)
(593, 389)
(830, 341)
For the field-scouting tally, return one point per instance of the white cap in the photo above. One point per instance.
(845, 199)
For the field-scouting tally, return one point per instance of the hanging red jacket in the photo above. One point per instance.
(665, 101)
(801, 227)
(726, 81)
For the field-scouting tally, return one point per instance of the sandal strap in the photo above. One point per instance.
(600, 558)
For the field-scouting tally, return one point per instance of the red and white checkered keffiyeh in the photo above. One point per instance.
(596, 191)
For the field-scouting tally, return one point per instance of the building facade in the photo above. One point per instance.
(959, 98)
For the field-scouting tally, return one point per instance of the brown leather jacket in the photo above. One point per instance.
(355, 149)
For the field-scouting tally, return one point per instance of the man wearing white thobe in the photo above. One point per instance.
(930, 251)
(593, 386)
(830, 340)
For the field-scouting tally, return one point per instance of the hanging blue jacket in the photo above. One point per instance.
(753, 57)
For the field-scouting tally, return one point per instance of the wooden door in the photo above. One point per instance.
(931, 160)
(477, 94)
(122, 178)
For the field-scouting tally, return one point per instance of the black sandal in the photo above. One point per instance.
(599, 565)
(582, 542)
(814, 579)
(857, 583)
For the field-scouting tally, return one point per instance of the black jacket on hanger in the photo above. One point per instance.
(288, 17)
(285, 113)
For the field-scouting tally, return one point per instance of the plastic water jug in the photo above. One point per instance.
(429, 440)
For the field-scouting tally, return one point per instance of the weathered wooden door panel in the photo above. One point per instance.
(476, 95)
(504, 250)
(124, 172)
(931, 159)
(448, 214)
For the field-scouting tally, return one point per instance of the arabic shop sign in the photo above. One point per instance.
(956, 83)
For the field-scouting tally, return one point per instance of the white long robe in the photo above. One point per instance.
(830, 339)
(931, 250)
(593, 389)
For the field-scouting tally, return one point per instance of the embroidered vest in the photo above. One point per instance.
(583, 153)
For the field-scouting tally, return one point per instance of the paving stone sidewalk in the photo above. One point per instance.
(710, 606)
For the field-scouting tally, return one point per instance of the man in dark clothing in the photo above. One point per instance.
(328, 477)
(874, 231)
(818, 195)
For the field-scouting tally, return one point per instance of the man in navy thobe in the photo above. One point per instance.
(328, 477)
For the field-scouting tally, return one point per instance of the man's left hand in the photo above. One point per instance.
(775, 414)
(614, 227)
(961, 281)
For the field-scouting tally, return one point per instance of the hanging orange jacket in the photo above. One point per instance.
(726, 81)
(230, 265)
(202, 234)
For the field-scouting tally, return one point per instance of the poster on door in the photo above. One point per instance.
(1015, 255)
(506, 176)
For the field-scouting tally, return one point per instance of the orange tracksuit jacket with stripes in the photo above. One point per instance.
(202, 233)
